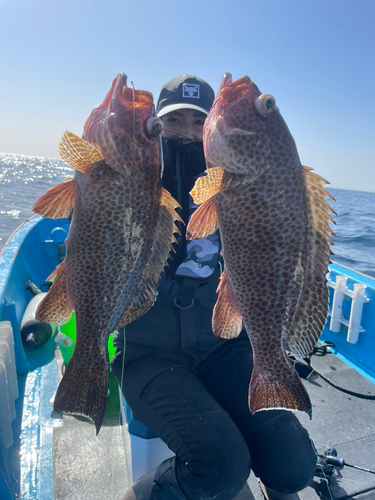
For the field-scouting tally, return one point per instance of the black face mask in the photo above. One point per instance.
(182, 164)
(192, 163)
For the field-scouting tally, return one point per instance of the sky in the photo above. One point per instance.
(58, 59)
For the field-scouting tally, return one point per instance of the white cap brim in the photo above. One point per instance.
(175, 107)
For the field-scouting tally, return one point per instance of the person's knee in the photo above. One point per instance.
(220, 471)
(229, 469)
(286, 461)
(293, 478)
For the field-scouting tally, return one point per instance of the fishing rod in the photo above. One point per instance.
(328, 462)
(340, 463)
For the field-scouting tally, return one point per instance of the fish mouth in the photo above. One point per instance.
(129, 97)
(119, 103)
(230, 91)
(226, 80)
(128, 101)
(121, 95)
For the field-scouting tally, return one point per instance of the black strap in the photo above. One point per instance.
(184, 292)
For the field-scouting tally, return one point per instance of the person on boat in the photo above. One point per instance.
(184, 384)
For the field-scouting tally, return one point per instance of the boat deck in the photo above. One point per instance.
(91, 467)
(342, 421)
(87, 466)
(346, 423)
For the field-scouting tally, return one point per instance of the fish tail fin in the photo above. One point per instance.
(83, 390)
(277, 392)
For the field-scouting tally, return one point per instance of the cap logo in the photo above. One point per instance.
(190, 90)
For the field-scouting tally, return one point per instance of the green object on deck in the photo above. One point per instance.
(67, 349)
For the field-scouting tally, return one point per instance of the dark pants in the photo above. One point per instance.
(200, 410)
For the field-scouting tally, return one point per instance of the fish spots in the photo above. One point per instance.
(275, 235)
(253, 245)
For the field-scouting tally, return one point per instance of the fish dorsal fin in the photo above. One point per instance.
(203, 222)
(57, 202)
(311, 314)
(158, 254)
(171, 204)
(56, 307)
(318, 195)
(208, 185)
(226, 319)
(78, 153)
(319, 208)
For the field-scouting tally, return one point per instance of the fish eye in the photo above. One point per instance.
(265, 104)
(154, 126)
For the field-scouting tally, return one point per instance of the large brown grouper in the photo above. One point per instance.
(119, 240)
(273, 221)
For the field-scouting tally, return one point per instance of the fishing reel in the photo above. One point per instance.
(324, 467)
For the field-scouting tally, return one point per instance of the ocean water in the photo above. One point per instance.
(24, 178)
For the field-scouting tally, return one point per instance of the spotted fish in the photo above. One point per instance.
(119, 240)
(273, 220)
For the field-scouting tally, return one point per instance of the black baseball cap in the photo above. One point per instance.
(185, 91)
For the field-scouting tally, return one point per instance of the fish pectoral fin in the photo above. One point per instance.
(268, 391)
(83, 389)
(203, 222)
(56, 307)
(78, 153)
(208, 185)
(226, 319)
(57, 202)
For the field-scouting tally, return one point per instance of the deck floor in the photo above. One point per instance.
(346, 423)
(86, 466)
(341, 421)
(90, 467)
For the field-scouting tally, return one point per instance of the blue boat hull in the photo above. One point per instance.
(31, 253)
